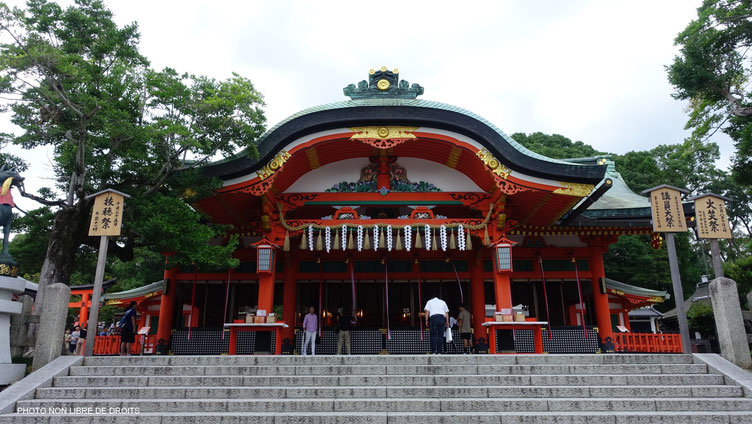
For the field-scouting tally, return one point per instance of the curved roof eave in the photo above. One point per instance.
(405, 112)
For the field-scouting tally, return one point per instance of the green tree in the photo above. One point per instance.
(700, 318)
(712, 72)
(9, 160)
(555, 145)
(77, 82)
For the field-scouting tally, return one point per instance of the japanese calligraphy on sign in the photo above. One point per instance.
(107, 215)
(712, 220)
(668, 212)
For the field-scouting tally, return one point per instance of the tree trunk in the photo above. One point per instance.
(68, 230)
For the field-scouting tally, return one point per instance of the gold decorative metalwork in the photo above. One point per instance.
(493, 164)
(574, 189)
(273, 165)
(383, 137)
(8, 270)
(383, 85)
(383, 69)
(655, 299)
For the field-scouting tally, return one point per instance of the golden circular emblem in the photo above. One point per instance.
(383, 132)
(493, 164)
(383, 69)
(383, 84)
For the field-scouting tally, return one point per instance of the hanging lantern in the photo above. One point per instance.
(264, 256)
(503, 248)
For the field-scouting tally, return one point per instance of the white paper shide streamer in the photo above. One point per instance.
(428, 237)
(461, 237)
(442, 233)
(360, 238)
(389, 238)
(408, 237)
(344, 236)
(328, 238)
(376, 237)
(310, 237)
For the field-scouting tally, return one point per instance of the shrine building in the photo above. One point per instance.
(378, 203)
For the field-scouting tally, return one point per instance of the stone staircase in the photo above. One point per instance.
(617, 388)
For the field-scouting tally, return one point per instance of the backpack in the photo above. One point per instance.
(124, 319)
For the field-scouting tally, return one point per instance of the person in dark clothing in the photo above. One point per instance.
(437, 320)
(345, 323)
(127, 329)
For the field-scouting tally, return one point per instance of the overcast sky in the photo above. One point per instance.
(589, 70)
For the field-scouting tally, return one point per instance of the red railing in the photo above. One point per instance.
(648, 342)
(110, 345)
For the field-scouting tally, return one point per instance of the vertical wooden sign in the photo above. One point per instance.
(668, 212)
(668, 217)
(712, 220)
(107, 214)
(106, 221)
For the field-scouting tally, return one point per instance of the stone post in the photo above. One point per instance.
(19, 326)
(52, 325)
(749, 301)
(729, 322)
(9, 372)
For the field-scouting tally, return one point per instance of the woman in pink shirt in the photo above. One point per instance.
(310, 325)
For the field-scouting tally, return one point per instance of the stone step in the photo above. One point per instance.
(617, 417)
(356, 405)
(389, 380)
(225, 392)
(97, 370)
(284, 360)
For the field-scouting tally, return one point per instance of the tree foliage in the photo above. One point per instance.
(712, 72)
(555, 145)
(77, 82)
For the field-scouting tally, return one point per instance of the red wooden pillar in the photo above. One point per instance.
(167, 302)
(142, 320)
(503, 290)
(266, 291)
(600, 300)
(83, 318)
(289, 292)
(477, 292)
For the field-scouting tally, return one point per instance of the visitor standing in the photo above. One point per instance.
(127, 329)
(81, 341)
(437, 313)
(66, 342)
(465, 323)
(345, 323)
(75, 335)
(449, 337)
(310, 325)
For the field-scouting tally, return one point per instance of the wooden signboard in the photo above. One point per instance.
(668, 212)
(712, 220)
(107, 215)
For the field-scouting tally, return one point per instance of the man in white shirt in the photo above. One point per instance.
(437, 320)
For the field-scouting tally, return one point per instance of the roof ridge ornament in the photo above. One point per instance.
(384, 84)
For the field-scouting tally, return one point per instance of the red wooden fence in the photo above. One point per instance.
(110, 345)
(648, 342)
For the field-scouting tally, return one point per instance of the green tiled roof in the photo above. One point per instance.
(263, 148)
(634, 290)
(137, 292)
(619, 200)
